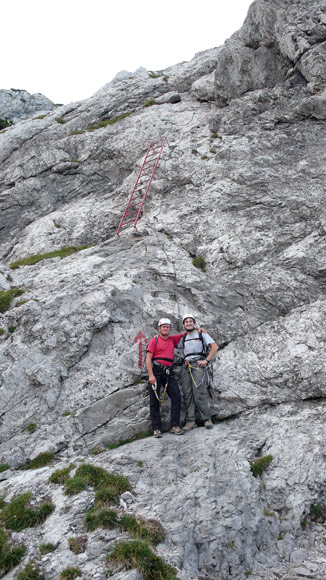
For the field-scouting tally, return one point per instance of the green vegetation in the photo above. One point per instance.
(107, 122)
(70, 573)
(20, 303)
(77, 545)
(19, 514)
(199, 262)
(4, 123)
(30, 572)
(261, 464)
(280, 537)
(10, 555)
(12, 329)
(97, 477)
(60, 120)
(2, 331)
(69, 414)
(153, 75)
(138, 554)
(268, 513)
(165, 79)
(4, 467)
(31, 427)
(46, 548)
(39, 461)
(204, 157)
(213, 136)
(61, 475)
(248, 572)
(97, 450)
(136, 437)
(318, 513)
(39, 117)
(6, 296)
(80, 132)
(194, 151)
(35, 258)
(140, 463)
(101, 518)
(150, 103)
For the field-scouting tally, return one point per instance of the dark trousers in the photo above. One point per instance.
(173, 393)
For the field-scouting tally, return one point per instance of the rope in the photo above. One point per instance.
(202, 370)
(154, 387)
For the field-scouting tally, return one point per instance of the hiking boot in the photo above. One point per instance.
(157, 433)
(189, 425)
(208, 424)
(176, 431)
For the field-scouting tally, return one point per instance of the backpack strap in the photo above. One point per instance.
(204, 346)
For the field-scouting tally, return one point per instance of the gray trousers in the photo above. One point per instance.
(195, 397)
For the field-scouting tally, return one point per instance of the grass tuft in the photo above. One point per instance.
(46, 548)
(4, 467)
(138, 554)
(70, 573)
(30, 572)
(199, 262)
(35, 258)
(39, 461)
(6, 296)
(61, 475)
(259, 466)
(19, 514)
(10, 555)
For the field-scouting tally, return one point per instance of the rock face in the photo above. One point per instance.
(16, 104)
(241, 184)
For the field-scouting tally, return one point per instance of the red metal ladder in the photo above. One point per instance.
(142, 185)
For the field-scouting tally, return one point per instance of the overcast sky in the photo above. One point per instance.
(68, 49)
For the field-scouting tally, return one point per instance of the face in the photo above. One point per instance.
(189, 324)
(164, 329)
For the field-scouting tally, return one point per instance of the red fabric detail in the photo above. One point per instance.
(163, 348)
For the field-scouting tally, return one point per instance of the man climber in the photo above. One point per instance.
(198, 349)
(159, 359)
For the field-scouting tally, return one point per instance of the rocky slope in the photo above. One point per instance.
(240, 184)
(16, 104)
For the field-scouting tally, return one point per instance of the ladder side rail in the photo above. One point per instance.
(132, 193)
(148, 186)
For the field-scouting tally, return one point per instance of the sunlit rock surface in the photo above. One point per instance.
(242, 184)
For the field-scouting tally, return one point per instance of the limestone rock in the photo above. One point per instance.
(18, 104)
(240, 184)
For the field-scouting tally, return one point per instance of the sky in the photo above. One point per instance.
(69, 49)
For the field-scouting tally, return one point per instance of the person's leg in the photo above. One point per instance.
(187, 390)
(174, 394)
(200, 391)
(154, 406)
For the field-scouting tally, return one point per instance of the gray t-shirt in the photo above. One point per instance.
(192, 345)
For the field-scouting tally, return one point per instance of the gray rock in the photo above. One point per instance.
(240, 185)
(16, 104)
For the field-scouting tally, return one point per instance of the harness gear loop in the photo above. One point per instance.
(154, 387)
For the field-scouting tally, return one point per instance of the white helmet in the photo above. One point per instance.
(164, 321)
(188, 316)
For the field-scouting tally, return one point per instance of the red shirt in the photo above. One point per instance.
(164, 349)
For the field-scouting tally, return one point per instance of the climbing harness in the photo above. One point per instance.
(203, 370)
(154, 387)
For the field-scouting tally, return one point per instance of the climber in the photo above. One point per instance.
(198, 349)
(159, 359)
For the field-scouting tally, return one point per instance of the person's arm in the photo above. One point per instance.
(213, 348)
(149, 366)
